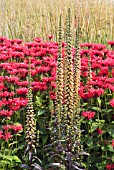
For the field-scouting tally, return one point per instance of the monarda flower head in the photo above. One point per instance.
(1, 134)
(89, 45)
(112, 143)
(7, 136)
(88, 115)
(99, 131)
(111, 43)
(109, 166)
(50, 36)
(112, 102)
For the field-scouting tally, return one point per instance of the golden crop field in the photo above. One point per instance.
(27, 19)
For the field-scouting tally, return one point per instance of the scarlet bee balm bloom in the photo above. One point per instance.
(99, 131)
(50, 37)
(109, 166)
(111, 42)
(112, 143)
(7, 136)
(89, 115)
(112, 102)
(17, 128)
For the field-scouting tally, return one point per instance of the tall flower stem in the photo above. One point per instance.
(30, 120)
(59, 82)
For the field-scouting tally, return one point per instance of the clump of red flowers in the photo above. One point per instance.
(111, 43)
(50, 36)
(112, 143)
(109, 166)
(5, 134)
(112, 102)
(99, 131)
(88, 115)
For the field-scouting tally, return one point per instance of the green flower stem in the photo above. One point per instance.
(106, 97)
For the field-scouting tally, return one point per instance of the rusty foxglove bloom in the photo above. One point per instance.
(68, 92)
(30, 118)
(59, 82)
(77, 67)
(69, 76)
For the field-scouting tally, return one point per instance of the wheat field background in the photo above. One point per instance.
(27, 19)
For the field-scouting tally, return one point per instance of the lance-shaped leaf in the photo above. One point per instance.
(25, 166)
(36, 166)
(76, 167)
(27, 149)
(53, 164)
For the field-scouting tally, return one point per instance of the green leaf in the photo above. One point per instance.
(38, 101)
(4, 162)
(107, 103)
(99, 101)
(101, 166)
(104, 148)
(90, 143)
(84, 104)
(110, 148)
(7, 157)
(40, 112)
(96, 108)
(113, 158)
(12, 158)
(16, 159)
(109, 110)
(41, 123)
(111, 132)
(94, 126)
(100, 121)
(44, 139)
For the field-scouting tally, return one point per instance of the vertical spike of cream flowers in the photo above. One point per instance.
(59, 82)
(68, 91)
(30, 117)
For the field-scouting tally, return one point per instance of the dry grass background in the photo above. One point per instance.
(27, 19)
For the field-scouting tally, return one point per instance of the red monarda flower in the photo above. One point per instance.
(17, 128)
(7, 136)
(112, 102)
(50, 37)
(53, 85)
(89, 115)
(109, 166)
(6, 127)
(52, 95)
(112, 143)
(99, 131)
(6, 113)
(1, 103)
(111, 42)
(86, 45)
(1, 134)
(106, 142)
(22, 91)
(39, 40)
